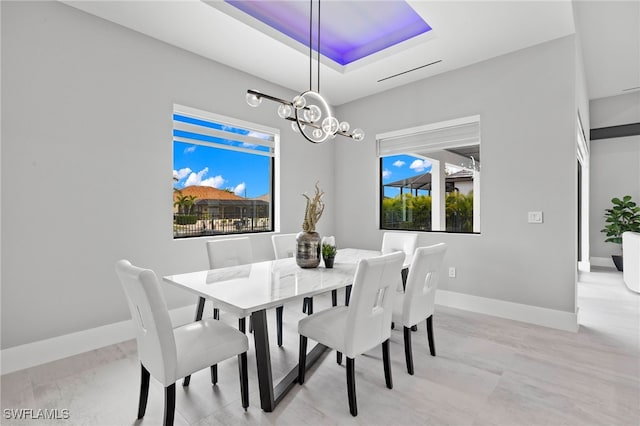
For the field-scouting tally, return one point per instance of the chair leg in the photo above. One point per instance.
(279, 310)
(216, 313)
(334, 297)
(432, 345)
(304, 305)
(347, 295)
(144, 391)
(386, 360)
(408, 353)
(244, 380)
(302, 359)
(169, 404)
(214, 374)
(309, 305)
(339, 357)
(198, 317)
(242, 325)
(351, 386)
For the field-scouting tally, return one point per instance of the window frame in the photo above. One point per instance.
(407, 142)
(235, 123)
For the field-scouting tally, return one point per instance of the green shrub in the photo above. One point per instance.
(186, 219)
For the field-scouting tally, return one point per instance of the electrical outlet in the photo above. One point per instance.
(452, 272)
(535, 217)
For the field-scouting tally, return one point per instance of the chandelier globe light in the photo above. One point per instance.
(309, 112)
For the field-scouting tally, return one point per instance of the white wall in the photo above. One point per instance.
(527, 103)
(615, 167)
(87, 164)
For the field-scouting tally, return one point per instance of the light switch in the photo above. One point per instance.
(535, 217)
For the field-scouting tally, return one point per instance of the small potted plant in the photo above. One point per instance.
(622, 217)
(329, 251)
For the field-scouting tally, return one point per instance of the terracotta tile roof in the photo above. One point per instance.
(207, 193)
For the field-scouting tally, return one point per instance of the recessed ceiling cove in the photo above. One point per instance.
(350, 30)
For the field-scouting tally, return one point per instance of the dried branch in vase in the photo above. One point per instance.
(314, 210)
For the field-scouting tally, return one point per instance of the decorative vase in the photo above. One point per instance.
(308, 249)
(328, 262)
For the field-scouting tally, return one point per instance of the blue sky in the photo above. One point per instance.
(398, 167)
(245, 174)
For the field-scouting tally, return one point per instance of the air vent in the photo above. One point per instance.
(408, 71)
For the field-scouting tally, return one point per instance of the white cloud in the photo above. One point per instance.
(190, 149)
(182, 173)
(197, 179)
(386, 173)
(239, 189)
(399, 163)
(419, 165)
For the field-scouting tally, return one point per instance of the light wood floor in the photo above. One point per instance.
(488, 371)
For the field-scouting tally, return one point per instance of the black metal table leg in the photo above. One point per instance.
(263, 360)
(271, 395)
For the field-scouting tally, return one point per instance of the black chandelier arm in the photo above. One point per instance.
(269, 97)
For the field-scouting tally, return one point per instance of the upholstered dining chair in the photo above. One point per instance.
(399, 241)
(233, 252)
(417, 301)
(361, 326)
(168, 354)
(284, 246)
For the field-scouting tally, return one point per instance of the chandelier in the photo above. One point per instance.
(309, 113)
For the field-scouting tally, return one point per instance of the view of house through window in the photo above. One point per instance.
(223, 175)
(430, 177)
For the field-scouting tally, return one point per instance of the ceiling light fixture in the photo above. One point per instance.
(308, 112)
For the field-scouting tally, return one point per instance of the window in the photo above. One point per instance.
(223, 174)
(430, 177)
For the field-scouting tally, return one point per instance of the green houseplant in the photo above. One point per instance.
(328, 254)
(623, 216)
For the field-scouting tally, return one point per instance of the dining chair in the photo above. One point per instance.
(400, 241)
(284, 246)
(417, 301)
(361, 326)
(168, 354)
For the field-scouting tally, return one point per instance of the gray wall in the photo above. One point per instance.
(87, 164)
(615, 165)
(527, 103)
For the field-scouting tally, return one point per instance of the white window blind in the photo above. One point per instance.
(191, 125)
(431, 137)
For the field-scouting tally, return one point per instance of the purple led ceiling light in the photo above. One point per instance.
(350, 30)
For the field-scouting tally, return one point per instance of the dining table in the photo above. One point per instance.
(251, 289)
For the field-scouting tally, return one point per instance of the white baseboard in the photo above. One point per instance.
(584, 266)
(552, 318)
(48, 350)
(606, 262)
(43, 351)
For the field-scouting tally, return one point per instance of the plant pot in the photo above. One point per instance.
(328, 262)
(308, 249)
(617, 260)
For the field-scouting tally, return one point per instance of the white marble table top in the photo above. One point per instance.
(248, 288)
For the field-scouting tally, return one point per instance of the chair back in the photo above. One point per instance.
(229, 252)
(284, 245)
(371, 304)
(422, 282)
(154, 331)
(399, 241)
